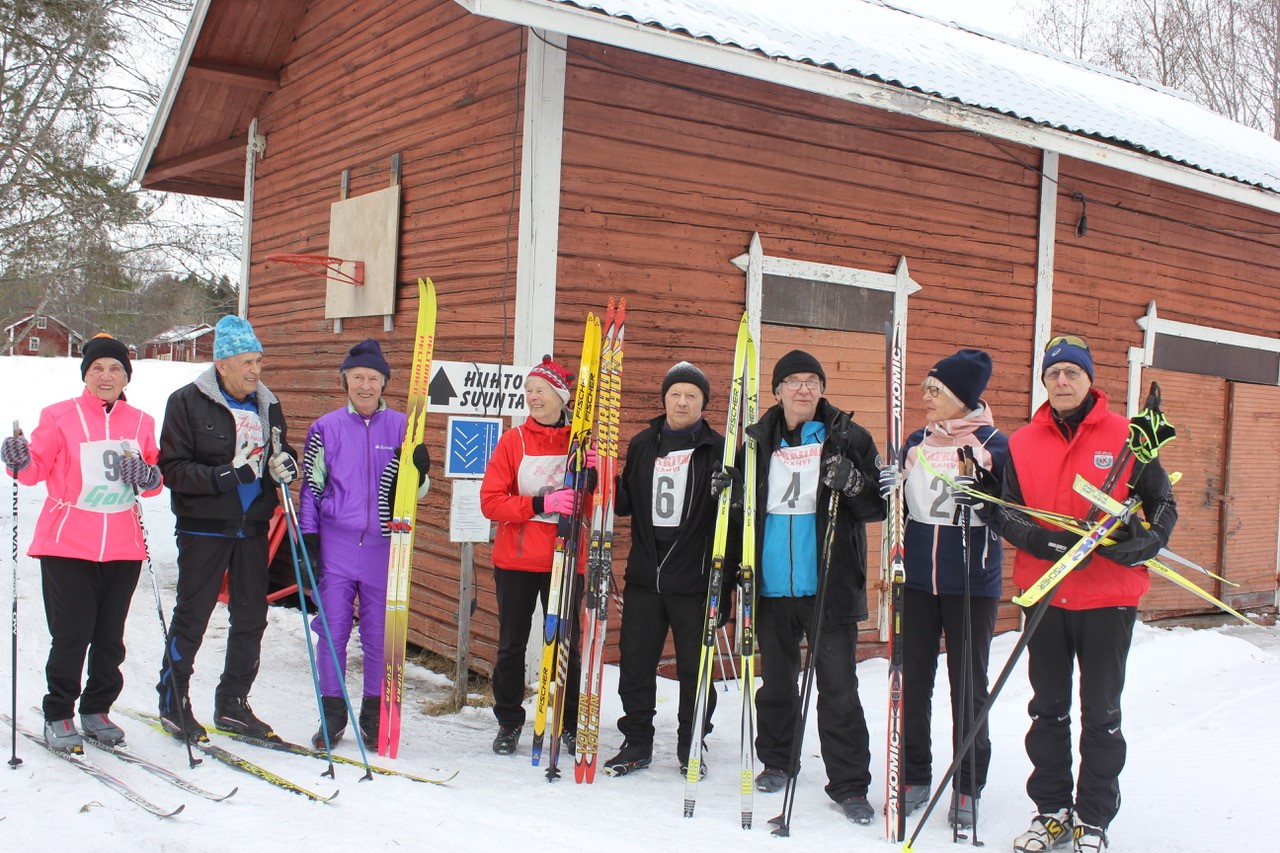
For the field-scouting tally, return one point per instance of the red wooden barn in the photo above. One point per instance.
(825, 167)
(41, 334)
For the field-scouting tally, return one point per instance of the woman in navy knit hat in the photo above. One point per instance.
(934, 596)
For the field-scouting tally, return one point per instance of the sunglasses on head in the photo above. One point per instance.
(1070, 340)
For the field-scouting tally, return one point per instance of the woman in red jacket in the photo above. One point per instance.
(94, 453)
(524, 491)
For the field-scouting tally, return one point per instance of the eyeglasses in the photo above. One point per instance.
(931, 390)
(1072, 374)
(797, 384)
(1070, 340)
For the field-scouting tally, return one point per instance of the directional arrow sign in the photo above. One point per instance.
(469, 442)
(472, 388)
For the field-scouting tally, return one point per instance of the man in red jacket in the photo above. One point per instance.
(1091, 612)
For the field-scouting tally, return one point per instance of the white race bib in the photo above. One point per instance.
(670, 480)
(100, 486)
(793, 480)
(928, 497)
(541, 475)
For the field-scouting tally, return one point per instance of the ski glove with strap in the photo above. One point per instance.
(16, 453)
(963, 498)
(311, 542)
(890, 479)
(560, 502)
(422, 461)
(1054, 543)
(247, 462)
(840, 474)
(728, 478)
(136, 472)
(284, 468)
(1135, 543)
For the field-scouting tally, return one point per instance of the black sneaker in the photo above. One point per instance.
(507, 740)
(334, 722)
(569, 742)
(178, 721)
(370, 720)
(630, 757)
(234, 715)
(771, 780)
(858, 810)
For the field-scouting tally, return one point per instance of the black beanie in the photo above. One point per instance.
(797, 361)
(103, 345)
(687, 372)
(965, 374)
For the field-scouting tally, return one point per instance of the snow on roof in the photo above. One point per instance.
(873, 39)
(181, 333)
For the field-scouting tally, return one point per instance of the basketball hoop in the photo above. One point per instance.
(324, 265)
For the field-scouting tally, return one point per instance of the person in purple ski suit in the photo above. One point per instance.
(350, 464)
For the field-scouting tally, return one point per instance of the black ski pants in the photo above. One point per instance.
(85, 606)
(647, 616)
(926, 619)
(1099, 640)
(202, 560)
(518, 595)
(781, 623)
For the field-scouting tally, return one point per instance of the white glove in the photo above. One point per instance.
(248, 462)
(283, 468)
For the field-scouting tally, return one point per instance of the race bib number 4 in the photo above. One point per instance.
(793, 480)
(100, 486)
(670, 480)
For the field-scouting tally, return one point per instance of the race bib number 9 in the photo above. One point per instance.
(100, 486)
(793, 480)
(670, 480)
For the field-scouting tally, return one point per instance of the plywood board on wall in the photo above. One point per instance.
(364, 228)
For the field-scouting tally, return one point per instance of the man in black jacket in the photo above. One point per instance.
(806, 449)
(223, 474)
(665, 489)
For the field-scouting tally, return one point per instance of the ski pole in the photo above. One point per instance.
(14, 760)
(192, 761)
(782, 823)
(968, 680)
(295, 547)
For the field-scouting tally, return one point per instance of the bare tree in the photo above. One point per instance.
(1223, 53)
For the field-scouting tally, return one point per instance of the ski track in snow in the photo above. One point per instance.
(1200, 716)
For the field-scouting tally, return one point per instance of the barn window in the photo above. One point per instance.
(42, 322)
(1204, 350)
(33, 344)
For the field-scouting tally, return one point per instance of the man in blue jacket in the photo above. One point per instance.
(807, 448)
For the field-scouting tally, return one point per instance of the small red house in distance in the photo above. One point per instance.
(182, 343)
(40, 334)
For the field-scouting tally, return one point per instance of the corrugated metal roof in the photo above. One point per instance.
(875, 40)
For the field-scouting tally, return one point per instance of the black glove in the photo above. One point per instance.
(727, 478)
(311, 542)
(422, 461)
(962, 498)
(840, 474)
(1055, 543)
(1134, 544)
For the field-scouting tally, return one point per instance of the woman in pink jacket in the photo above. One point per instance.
(95, 454)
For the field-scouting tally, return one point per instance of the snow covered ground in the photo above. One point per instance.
(1200, 716)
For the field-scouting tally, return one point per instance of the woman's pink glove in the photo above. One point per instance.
(560, 502)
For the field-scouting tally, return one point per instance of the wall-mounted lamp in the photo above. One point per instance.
(1082, 224)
